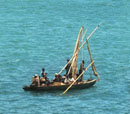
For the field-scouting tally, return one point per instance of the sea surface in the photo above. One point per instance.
(42, 33)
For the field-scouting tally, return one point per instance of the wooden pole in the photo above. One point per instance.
(82, 41)
(78, 77)
(80, 48)
(84, 35)
(93, 66)
(90, 35)
(76, 50)
(81, 29)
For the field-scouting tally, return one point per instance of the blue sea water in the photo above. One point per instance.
(42, 33)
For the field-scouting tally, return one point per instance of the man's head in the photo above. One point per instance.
(68, 60)
(43, 69)
(56, 74)
(45, 74)
(83, 61)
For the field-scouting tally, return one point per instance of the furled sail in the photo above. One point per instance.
(93, 66)
(76, 51)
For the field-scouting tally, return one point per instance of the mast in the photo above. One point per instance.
(80, 48)
(76, 51)
(83, 36)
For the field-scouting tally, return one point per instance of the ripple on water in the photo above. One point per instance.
(36, 34)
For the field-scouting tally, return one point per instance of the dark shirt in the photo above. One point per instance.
(58, 79)
(42, 74)
(67, 68)
(81, 68)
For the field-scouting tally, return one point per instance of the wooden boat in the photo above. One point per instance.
(61, 86)
(75, 84)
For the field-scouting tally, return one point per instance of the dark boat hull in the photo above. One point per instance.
(83, 85)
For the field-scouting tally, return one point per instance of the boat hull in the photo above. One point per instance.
(82, 85)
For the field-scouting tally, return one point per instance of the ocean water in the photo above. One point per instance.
(42, 33)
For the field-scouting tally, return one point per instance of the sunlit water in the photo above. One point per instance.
(42, 33)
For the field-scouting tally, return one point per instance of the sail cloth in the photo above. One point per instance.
(75, 54)
(93, 66)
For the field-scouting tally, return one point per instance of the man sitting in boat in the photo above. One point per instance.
(58, 78)
(64, 78)
(71, 79)
(81, 70)
(35, 81)
(68, 79)
(44, 80)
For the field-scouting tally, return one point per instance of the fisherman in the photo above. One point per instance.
(44, 80)
(36, 81)
(81, 70)
(68, 69)
(71, 80)
(58, 78)
(64, 78)
(43, 72)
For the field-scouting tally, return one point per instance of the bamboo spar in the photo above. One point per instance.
(81, 29)
(93, 66)
(82, 41)
(78, 77)
(76, 51)
(90, 35)
(84, 35)
(80, 47)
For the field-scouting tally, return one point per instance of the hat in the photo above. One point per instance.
(56, 74)
(36, 75)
